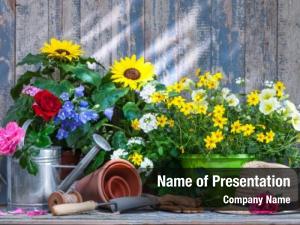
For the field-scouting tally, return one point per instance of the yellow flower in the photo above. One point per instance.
(131, 72)
(279, 86)
(217, 136)
(171, 122)
(219, 110)
(269, 136)
(236, 127)
(202, 81)
(218, 76)
(177, 101)
(198, 72)
(267, 94)
(219, 121)
(158, 97)
(135, 124)
(199, 95)
(136, 159)
(187, 108)
(200, 109)
(62, 50)
(248, 129)
(161, 120)
(212, 83)
(210, 143)
(253, 98)
(260, 137)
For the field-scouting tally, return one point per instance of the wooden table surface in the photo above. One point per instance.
(152, 217)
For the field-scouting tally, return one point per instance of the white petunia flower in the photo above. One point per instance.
(199, 95)
(188, 83)
(268, 106)
(148, 122)
(225, 92)
(232, 100)
(119, 153)
(147, 91)
(136, 141)
(266, 94)
(147, 166)
(296, 121)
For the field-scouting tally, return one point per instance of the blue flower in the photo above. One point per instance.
(68, 106)
(88, 115)
(109, 112)
(65, 96)
(61, 134)
(79, 91)
(83, 104)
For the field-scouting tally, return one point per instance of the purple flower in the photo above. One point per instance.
(109, 112)
(30, 90)
(61, 134)
(79, 91)
(65, 96)
(83, 104)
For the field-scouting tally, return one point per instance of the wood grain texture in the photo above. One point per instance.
(261, 42)
(289, 46)
(228, 38)
(152, 217)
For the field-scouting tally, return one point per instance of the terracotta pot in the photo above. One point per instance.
(68, 157)
(117, 178)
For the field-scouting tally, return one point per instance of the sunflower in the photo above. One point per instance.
(62, 50)
(132, 73)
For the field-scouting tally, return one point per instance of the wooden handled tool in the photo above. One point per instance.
(115, 205)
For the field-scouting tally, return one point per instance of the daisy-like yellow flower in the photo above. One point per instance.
(248, 129)
(162, 120)
(260, 137)
(131, 72)
(202, 81)
(212, 83)
(253, 98)
(198, 72)
(200, 109)
(219, 121)
(136, 158)
(218, 76)
(62, 50)
(219, 110)
(279, 86)
(236, 127)
(135, 124)
(178, 87)
(269, 136)
(158, 97)
(210, 143)
(187, 108)
(217, 136)
(171, 123)
(178, 101)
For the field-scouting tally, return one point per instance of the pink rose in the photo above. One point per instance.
(30, 90)
(10, 137)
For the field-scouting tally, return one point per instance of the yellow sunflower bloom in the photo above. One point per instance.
(62, 50)
(131, 72)
(136, 159)
(135, 124)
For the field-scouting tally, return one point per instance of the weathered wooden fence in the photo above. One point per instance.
(255, 39)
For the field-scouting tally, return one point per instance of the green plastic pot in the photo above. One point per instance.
(215, 161)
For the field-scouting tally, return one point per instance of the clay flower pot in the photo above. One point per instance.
(117, 178)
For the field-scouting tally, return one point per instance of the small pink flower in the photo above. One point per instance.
(36, 212)
(264, 208)
(10, 137)
(30, 90)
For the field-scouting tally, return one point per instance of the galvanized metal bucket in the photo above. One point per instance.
(31, 192)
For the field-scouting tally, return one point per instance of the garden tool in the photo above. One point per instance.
(101, 143)
(115, 205)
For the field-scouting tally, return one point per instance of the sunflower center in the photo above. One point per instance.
(132, 74)
(61, 51)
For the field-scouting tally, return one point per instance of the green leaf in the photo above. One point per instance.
(43, 141)
(91, 60)
(23, 161)
(83, 73)
(131, 111)
(32, 59)
(96, 163)
(119, 140)
(53, 86)
(108, 95)
(160, 151)
(32, 167)
(78, 138)
(49, 129)
(23, 80)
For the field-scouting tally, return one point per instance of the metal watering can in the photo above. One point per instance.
(32, 192)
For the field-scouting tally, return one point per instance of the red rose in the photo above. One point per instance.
(46, 105)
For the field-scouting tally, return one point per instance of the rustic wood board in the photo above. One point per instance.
(206, 218)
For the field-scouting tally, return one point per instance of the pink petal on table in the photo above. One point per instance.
(17, 211)
(3, 213)
(36, 212)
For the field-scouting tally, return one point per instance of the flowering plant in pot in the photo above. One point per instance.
(205, 125)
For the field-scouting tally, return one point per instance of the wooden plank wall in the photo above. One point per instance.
(255, 39)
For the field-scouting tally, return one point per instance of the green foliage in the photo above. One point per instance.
(96, 163)
(119, 140)
(131, 111)
(31, 59)
(107, 95)
(55, 87)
